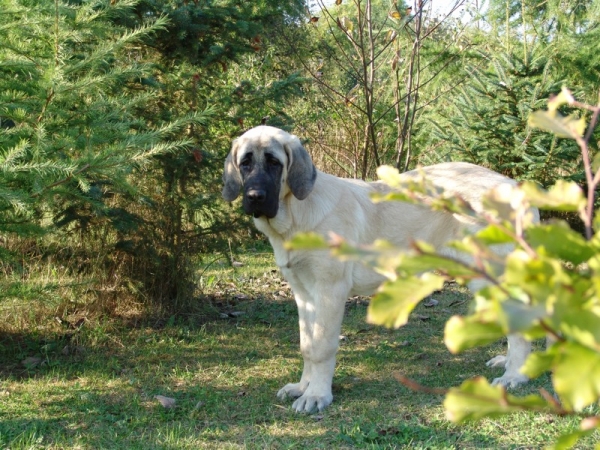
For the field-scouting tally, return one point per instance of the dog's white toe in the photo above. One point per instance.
(497, 361)
(510, 380)
(312, 403)
(290, 390)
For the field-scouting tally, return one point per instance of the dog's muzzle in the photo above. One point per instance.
(258, 202)
(256, 196)
(256, 199)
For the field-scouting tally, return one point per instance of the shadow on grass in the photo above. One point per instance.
(223, 375)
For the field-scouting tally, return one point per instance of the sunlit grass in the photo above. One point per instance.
(94, 386)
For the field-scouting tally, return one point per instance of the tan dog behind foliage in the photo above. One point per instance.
(287, 195)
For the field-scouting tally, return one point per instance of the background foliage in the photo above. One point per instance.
(112, 150)
(115, 116)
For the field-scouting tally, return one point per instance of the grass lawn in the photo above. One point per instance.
(96, 386)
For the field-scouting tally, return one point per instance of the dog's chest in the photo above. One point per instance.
(272, 229)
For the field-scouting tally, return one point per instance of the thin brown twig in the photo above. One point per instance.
(414, 386)
(558, 409)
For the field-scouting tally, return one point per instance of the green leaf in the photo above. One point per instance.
(395, 300)
(494, 234)
(476, 399)
(564, 97)
(419, 263)
(517, 316)
(578, 322)
(462, 333)
(306, 241)
(576, 376)
(538, 363)
(560, 241)
(563, 196)
(565, 127)
(543, 279)
(567, 441)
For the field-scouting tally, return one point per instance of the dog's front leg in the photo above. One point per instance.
(320, 346)
(320, 310)
(305, 320)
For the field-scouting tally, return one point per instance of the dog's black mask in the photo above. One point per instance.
(261, 178)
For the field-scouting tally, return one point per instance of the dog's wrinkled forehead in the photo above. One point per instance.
(261, 141)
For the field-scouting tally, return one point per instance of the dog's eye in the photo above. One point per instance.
(246, 163)
(272, 161)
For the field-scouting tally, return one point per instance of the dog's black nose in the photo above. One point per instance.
(256, 195)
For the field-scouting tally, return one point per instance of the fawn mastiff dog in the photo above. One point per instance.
(287, 194)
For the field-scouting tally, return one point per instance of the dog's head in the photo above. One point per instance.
(267, 163)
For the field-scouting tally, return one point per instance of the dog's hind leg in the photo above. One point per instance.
(518, 351)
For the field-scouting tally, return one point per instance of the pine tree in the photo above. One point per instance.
(487, 124)
(211, 53)
(526, 55)
(73, 137)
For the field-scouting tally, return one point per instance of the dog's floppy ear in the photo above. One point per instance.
(301, 170)
(232, 181)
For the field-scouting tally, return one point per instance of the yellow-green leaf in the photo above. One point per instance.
(517, 316)
(462, 333)
(416, 263)
(576, 376)
(494, 234)
(476, 399)
(596, 162)
(565, 127)
(564, 97)
(560, 241)
(539, 277)
(567, 441)
(395, 300)
(389, 175)
(306, 241)
(346, 24)
(538, 363)
(579, 322)
(562, 196)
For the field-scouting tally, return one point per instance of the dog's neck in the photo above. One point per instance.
(281, 225)
(287, 223)
(279, 229)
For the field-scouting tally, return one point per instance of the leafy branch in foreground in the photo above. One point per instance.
(547, 286)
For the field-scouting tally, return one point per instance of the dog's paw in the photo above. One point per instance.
(290, 390)
(510, 380)
(312, 403)
(497, 361)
